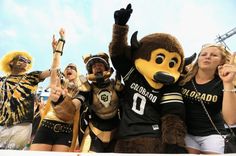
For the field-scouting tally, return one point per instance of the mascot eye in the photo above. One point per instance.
(173, 62)
(160, 58)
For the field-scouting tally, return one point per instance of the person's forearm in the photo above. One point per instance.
(44, 74)
(56, 61)
(229, 104)
(76, 103)
(119, 43)
(57, 54)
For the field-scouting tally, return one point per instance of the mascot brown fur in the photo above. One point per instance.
(153, 110)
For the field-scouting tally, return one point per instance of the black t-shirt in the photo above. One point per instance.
(197, 120)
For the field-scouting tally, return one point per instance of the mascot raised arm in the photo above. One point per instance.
(153, 110)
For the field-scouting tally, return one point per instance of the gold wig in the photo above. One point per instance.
(7, 58)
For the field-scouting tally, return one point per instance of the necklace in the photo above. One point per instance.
(5, 88)
(13, 88)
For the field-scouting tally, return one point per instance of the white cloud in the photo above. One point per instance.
(30, 24)
(14, 8)
(8, 33)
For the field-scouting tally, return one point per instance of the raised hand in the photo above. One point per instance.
(122, 16)
(54, 43)
(62, 33)
(61, 41)
(57, 91)
(227, 72)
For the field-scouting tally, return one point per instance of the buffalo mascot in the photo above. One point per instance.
(153, 110)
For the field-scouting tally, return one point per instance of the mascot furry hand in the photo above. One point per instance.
(153, 110)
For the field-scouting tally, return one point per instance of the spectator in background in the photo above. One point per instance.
(17, 93)
(40, 102)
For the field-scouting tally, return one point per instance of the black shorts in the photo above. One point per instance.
(54, 133)
(98, 146)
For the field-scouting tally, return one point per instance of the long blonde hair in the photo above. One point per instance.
(194, 67)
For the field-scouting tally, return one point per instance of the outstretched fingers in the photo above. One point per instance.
(233, 62)
(54, 42)
(62, 33)
(56, 91)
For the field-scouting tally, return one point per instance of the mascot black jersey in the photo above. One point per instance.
(153, 112)
(144, 106)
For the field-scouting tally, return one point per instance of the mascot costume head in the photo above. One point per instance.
(98, 77)
(158, 57)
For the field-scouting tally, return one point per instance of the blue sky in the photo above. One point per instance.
(29, 25)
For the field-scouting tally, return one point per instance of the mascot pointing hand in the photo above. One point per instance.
(153, 109)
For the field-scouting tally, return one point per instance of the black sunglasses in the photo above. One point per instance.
(25, 60)
(71, 67)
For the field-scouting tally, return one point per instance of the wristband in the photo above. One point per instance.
(51, 69)
(62, 40)
(57, 51)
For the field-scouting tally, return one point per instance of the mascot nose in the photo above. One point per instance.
(163, 77)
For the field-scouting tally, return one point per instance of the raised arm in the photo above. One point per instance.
(119, 50)
(119, 45)
(57, 52)
(57, 47)
(227, 73)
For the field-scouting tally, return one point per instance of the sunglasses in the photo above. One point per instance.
(71, 67)
(25, 60)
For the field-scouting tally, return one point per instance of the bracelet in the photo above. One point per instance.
(58, 51)
(51, 69)
(62, 40)
(229, 90)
